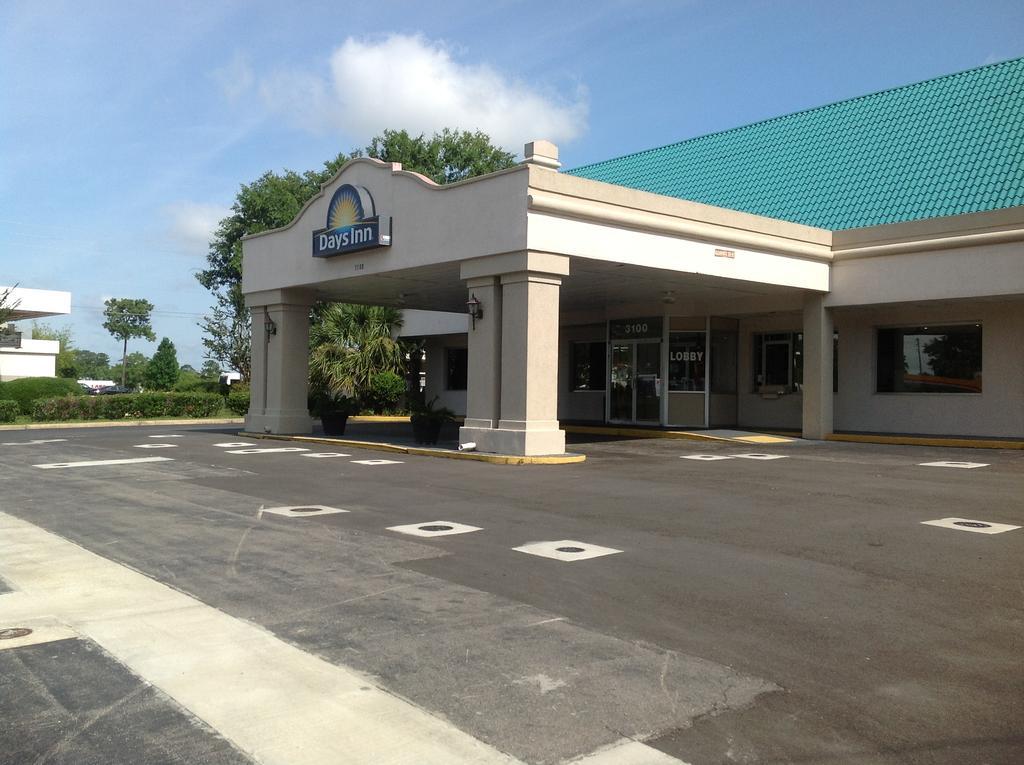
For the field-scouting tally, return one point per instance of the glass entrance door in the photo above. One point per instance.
(635, 383)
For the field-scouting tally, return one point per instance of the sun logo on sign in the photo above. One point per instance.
(349, 205)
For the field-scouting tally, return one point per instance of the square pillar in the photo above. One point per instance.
(512, 401)
(280, 370)
(817, 390)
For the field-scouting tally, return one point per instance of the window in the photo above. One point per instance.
(779, 361)
(587, 370)
(686, 361)
(932, 359)
(457, 363)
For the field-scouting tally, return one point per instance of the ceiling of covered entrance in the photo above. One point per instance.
(592, 286)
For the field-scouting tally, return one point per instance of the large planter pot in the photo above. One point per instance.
(334, 423)
(425, 430)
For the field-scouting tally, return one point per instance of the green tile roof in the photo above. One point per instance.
(946, 146)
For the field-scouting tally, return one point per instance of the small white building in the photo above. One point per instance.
(20, 354)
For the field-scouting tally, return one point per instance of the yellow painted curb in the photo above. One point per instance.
(494, 459)
(964, 443)
(379, 418)
(690, 435)
(120, 424)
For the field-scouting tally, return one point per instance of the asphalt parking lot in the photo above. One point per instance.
(719, 602)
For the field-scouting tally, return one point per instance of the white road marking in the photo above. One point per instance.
(234, 444)
(705, 457)
(278, 450)
(302, 511)
(434, 529)
(566, 550)
(155, 446)
(99, 463)
(967, 524)
(944, 463)
(167, 436)
(377, 462)
(627, 752)
(326, 454)
(36, 441)
(278, 704)
(761, 456)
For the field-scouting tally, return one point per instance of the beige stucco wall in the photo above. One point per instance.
(431, 224)
(435, 367)
(997, 411)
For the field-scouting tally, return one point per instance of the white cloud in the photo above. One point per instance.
(192, 224)
(235, 79)
(408, 82)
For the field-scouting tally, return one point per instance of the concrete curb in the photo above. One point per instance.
(493, 459)
(964, 443)
(120, 424)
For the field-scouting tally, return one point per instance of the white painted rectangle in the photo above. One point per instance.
(425, 529)
(278, 450)
(100, 463)
(556, 550)
(986, 527)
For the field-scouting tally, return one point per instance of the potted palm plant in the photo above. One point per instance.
(333, 411)
(428, 419)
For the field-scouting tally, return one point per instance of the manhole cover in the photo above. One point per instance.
(973, 524)
(306, 509)
(569, 549)
(435, 527)
(10, 633)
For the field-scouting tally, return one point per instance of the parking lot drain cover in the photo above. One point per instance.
(307, 509)
(10, 633)
(438, 528)
(435, 527)
(569, 549)
(973, 524)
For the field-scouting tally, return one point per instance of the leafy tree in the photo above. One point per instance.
(126, 318)
(227, 334)
(135, 364)
(350, 344)
(188, 368)
(445, 157)
(65, 364)
(90, 365)
(210, 370)
(162, 370)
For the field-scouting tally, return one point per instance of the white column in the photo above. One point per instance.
(817, 387)
(283, 354)
(257, 365)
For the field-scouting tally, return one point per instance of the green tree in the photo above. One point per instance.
(162, 370)
(135, 365)
(350, 344)
(66, 365)
(91, 365)
(445, 157)
(126, 318)
(210, 370)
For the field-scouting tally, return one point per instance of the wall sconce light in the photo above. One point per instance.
(269, 327)
(474, 309)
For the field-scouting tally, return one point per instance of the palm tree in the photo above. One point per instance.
(349, 344)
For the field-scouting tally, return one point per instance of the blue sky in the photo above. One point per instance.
(127, 128)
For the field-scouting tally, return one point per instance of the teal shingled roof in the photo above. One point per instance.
(946, 146)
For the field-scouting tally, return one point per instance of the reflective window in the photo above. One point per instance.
(929, 359)
(587, 370)
(686, 361)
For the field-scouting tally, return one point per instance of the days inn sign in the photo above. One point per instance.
(352, 224)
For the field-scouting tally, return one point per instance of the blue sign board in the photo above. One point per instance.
(352, 224)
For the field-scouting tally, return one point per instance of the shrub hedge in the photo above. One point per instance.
(26, 390)
(9, 410)
(238, 402)
(126, 406)
(385, 393)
